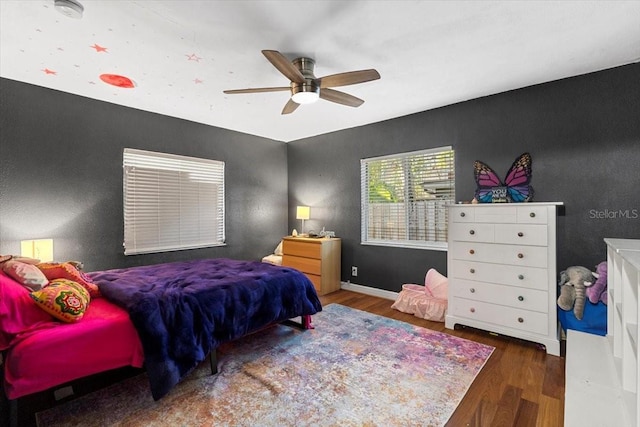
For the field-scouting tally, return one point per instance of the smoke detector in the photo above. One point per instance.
(70, 8)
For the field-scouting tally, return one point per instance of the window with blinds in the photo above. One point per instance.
(171, 202)
(404, 198)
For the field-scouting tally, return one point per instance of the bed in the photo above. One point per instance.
(167, 317)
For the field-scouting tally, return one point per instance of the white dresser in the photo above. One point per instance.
(501, 265)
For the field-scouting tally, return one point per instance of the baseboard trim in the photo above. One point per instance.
(348, 286)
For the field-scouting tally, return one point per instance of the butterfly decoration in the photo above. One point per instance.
(515, 188)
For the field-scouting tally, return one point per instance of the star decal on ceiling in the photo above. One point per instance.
(48, 71)
(98, 48)
(193, 57)
(198, 81)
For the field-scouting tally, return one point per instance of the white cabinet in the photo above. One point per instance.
(603, 371)
(623, 259)
(501, 264)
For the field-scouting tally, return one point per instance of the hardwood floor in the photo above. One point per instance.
(520, 385)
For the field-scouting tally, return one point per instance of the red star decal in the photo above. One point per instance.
(198, 81)
(193, 57)
(98, 48)
(48, 71)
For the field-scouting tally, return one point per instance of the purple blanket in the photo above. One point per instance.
(184, 310)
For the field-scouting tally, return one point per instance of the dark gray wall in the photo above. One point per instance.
(61, 176)
(583, 134)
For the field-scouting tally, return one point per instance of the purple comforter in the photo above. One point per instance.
(184, 310)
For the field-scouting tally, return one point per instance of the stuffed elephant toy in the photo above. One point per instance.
(573, 284)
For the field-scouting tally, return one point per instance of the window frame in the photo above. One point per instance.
(171, 202)
(440, 224)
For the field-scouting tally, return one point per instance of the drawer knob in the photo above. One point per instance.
(472, 290)
(532, 214)
(520, 255)
(520, 298)
(472, 270)
(471, 251)
(520, 234)
(520, 276)
(472, 232)
(520, 320)
(462, 214)
(473, 310)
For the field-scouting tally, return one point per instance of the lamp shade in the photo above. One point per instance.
(302, 212)
(41, 249)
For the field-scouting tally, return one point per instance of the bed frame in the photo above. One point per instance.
(295, 295)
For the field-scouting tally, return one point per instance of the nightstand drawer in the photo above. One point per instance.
(306, 265)
(316, 280)
(302, 248)
(512, 275)
(526, 299)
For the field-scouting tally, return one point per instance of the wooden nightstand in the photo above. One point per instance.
(318, 259)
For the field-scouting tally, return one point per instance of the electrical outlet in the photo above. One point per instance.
(354, 271)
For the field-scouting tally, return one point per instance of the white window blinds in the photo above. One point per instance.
(404, 198)
(171, 202)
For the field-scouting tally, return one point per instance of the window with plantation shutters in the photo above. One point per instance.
(404, 198)
(171, 202)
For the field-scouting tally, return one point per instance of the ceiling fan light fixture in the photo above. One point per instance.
(305, 93)
(69, 8)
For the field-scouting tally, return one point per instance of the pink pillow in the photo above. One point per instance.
(18, 312)
(26, 274)
(436, 284)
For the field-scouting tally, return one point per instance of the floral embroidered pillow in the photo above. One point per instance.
(64, 299)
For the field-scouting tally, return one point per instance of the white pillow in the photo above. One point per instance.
(278, 250)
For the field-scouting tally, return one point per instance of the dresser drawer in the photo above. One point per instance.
(521, 234)
(306, 265)
(496, 214)
(530, 256)
(513, 275)
(302, 248)
(472, 232)
(522, 298)
(462, 213)
(532, 214)
(509, 317)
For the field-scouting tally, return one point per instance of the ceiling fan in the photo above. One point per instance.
(305, 87)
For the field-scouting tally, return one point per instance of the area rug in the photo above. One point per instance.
(354, 369)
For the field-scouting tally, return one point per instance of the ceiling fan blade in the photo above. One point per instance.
(257, 90)
(340, 97)
(290, 107)
(284, 65)
(349, 78)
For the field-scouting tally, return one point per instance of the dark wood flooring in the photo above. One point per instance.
(520, 385)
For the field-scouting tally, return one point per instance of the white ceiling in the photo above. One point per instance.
(183, 54)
